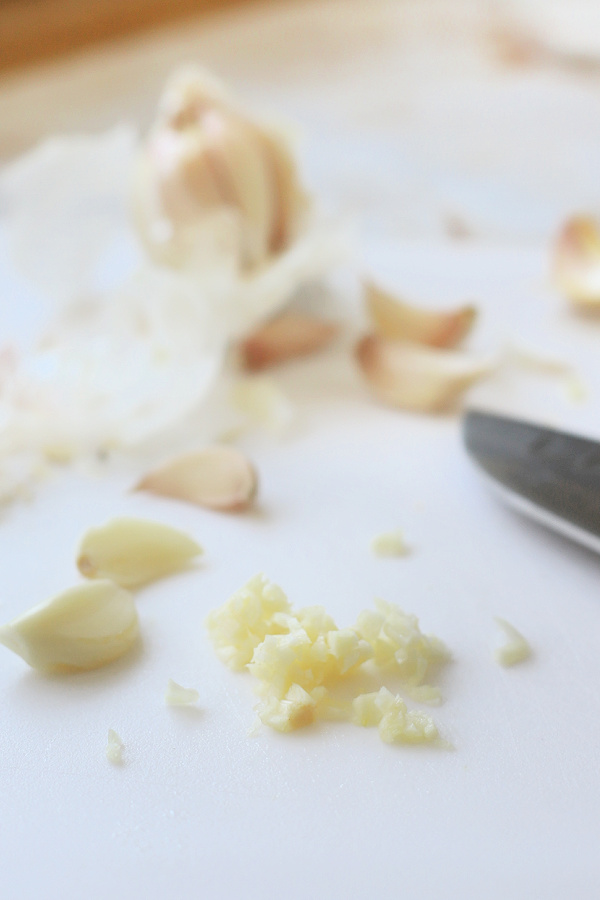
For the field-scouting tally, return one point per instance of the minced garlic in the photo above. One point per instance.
(114, 748)
(390, 543)
(176, 695)
(300, 657)
(515, 650)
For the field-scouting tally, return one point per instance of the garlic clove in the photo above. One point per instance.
(133, 552)
(206, 163)
(417, 378)
(83, 628)
(394, 319)
(262, 402)
(219, 478)
(577, 262)
(288, 336)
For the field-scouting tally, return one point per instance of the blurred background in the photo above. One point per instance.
(463, 119)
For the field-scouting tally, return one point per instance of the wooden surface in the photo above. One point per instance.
(34, 30)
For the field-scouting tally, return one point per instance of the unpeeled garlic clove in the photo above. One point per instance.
(219, 478)
(206, 159)
(416, 378)
(288, 336)
(83, 628)
(577, 262)
(397, 320)
(133, 552)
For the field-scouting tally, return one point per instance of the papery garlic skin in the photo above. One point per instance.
(133, 552)
(285, 337)
(211, 180)
(85, 627)
(576, 264)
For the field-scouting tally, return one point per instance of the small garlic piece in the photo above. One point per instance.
(207, 169)
(83, 628)
(176, 695)
(114, 748)
(392, 318)
(262, 402)
(285, 337)
(516, 648)
(417, 378)
(218, 478)
(577, 262)
(133, 552)
(390, 543)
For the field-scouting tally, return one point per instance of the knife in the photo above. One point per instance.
(551, 476)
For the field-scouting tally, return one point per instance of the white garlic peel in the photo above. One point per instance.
(114, 748)
(515, 650)
(145, 352)
(85, 627)
(176, 695)
(299, 658)
(133, 552)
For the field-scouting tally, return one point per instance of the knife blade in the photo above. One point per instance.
(551, 476)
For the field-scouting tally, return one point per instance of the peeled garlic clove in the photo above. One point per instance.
(83, 628)
(218, 478)
(133, 552)
(288, 336)
(416, 378)
(397, 320)
(577, 262)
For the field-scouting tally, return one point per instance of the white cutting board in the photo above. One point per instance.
(200, 809)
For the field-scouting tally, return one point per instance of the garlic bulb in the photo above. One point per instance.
(211, 181)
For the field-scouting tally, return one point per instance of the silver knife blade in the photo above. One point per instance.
(551, 476)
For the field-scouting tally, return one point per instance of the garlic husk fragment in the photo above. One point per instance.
(515, 650)
(209, 172)
(417, 378)
(133, 552)
(393, 318)
(85, 627)
(219, 478)
(286, 337)
(577, 262)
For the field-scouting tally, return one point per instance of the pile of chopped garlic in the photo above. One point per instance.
(300, 657)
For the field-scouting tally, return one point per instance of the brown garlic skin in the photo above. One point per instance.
(210, 178)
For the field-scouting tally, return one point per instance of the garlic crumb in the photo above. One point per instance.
(176, 695)
(390, 543)
(114, 748)
(515, 650)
